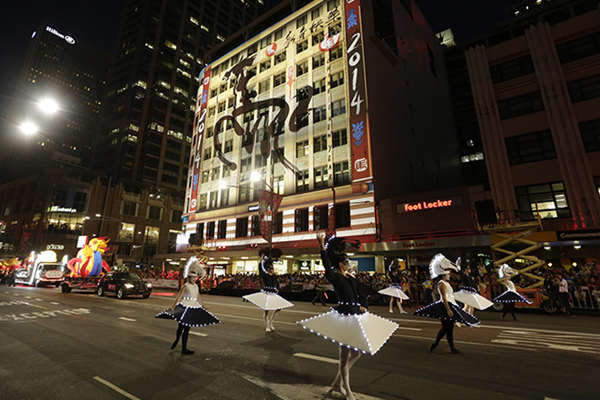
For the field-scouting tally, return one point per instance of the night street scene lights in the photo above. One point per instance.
(29, 128)
(48, 106)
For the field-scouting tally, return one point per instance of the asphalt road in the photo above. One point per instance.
(80, 346)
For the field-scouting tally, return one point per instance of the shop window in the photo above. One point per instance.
(321, 217)
(530, 147)
(241, 227)
(301, 220)
(545, 200)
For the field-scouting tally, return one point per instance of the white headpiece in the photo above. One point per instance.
(440, 265)
(505, 271)
(193, 269)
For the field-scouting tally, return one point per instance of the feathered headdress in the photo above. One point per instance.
(440, 265)
(193, 269)
(505, 271)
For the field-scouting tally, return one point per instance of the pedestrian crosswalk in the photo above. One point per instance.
(563, 341)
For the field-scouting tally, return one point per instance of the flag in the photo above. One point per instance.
(266, 211)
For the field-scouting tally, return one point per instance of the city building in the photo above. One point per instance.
(336, 106)
(67, 70)
(536, 91)
(149, 110)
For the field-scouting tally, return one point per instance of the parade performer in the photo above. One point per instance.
(349, 323)
(395, 290)
(469, 296)
(510, 296)
(186, 308)
(268, 299)
(445, 309)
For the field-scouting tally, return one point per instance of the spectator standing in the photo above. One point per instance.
(563, 295)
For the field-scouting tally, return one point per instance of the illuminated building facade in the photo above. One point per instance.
(333, 104)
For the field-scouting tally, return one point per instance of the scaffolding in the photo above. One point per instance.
(513, 236)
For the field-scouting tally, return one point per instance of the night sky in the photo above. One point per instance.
(97, 21)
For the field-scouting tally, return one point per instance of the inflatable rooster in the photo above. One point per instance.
(89, 260)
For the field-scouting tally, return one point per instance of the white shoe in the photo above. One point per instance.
(459, 325)
(403, 312)
(391, 311)
(268, 329)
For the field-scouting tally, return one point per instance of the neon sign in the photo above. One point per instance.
(66, 38)
(428, 205)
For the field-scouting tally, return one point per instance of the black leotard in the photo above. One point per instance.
(346, 288)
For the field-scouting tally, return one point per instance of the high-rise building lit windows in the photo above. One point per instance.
(302, 149)
(301, 220)
(300, 47)
(546, 201)
(321, 177)
(339, 138)
(319, 114)
(279, 58)
(302, 68)
(320, 143)
(336, 79)
(318, 61)
(279, 79)
(338, 107)
(336, 53)
(302, 181)
(341, 173)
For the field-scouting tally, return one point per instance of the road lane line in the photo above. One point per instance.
(316, 358)
(198, 334)
(410, 329)
(54, 302)
(127, 319)
(254, 319)
(466, 342)
(116, 388)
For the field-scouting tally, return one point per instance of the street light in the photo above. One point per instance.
(29, 128)
(48, 106)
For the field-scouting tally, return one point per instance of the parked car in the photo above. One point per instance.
(123, 284)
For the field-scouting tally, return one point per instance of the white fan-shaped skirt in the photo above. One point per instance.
(472, 299)
(268, 301)
(394, 291)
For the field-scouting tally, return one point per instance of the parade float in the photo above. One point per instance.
(39, 269)
(85, 270)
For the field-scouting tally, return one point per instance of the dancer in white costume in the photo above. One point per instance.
(510, 296)
(186, 308)
(268, 299)
(469, 295)
(445, 309)
(395, 289)
(349, 323)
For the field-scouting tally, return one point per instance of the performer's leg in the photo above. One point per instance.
(267, 327)
(391, 304)
(353, 355)
(272, 318)
(439, 337)
(399, 304)
(178, 335)
(450, 335)
(336, 385)
(505, 309)
(184, 340)
(512, 311)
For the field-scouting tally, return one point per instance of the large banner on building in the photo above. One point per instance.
(199, 128)
(357, 94)
(268, 205)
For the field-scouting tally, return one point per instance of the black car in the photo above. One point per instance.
(123, 284)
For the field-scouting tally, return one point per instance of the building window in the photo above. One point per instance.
(222, 229)
(200, 230)
(205, 176)
(279, 79)
(338, 107)
(336, 79)
(264, 42)
(278, 184)
(255, 225)
(319, 87)
(520, 105)
(530, 147)
(278, 223)
(318, 61)
(301, 220)
(202, 201)
(221, 107)
(213, 199)
(334, 29)
(154, 213)
(209, 132)
(590, 134)
(210, 230)
(302, 148)
(207, 153)
(151, 234)
(214, 173)
(316, 39)
(302, 68)
(321, 217)
(342, 215)
(224, 197)
(241, 227)
(579, 48)
(320, 143)
(265, 65)
(260, 161)
(301, 20)
(341, 173)
(130, 209)
(315, 12)
(230, 104)
(584, 89)
(319, 114)
(278, 34)
(126, 232)
(302, 181)
(279, 58)
(228, 146)
(245, 164)
(176, 216)
(512, 69)
(244, 193)
(264, 86)
(321, 177)
(339, 138)
(300, 47)
(336, 53)
(546, 200)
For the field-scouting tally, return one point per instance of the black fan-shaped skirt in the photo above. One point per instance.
(189, 316)
(438, 310)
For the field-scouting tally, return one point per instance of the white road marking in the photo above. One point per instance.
(541, 340)
(54, 302)
(316, 358)
(466, 342)
(127, 319)
(198, 334)
(116, 388)
(410, 329)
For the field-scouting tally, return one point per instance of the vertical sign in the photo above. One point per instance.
(199, 127)
(358, 126)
